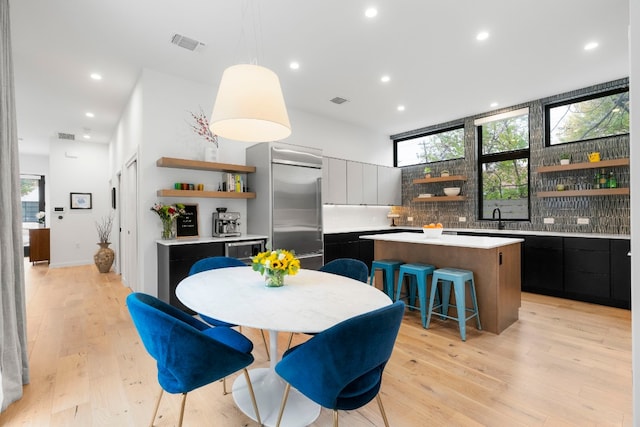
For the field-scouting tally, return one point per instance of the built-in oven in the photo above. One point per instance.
(244, 250)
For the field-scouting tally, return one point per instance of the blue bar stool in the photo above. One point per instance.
(417, 275)
(459, 278)
(388, 267)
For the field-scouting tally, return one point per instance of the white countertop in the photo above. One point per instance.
(189, 241)
(475, 242)
(400, 228)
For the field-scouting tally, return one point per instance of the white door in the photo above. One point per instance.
(130, 226)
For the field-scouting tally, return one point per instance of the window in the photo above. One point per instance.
(503, 145)
(431, 147)
(591, 117)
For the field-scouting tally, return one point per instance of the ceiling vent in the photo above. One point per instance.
(186, 42)
(338, 100)
(69, 136)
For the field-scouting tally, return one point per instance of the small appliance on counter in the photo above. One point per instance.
(226, 224)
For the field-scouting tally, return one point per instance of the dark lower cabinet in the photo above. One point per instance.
(542, 265)
(586, 268)
(620, 263)
(174, 263)
(350, 245)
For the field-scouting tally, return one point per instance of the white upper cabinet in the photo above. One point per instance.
(370, 184)
(334, 181)
(354, 183)
(389, 185)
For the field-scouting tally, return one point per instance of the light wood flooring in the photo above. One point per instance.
(563, 363)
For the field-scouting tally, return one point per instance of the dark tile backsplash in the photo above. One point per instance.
(606, 214)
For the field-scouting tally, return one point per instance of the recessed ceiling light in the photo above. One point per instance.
(86, 136)
(400, 107)
(96, 76)
(493, 104)
(89, 114)
(590, 46)
(385, 79)
(294, 65)
(483, 35)
(371, 12)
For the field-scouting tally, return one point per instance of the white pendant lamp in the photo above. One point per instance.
(249, 106)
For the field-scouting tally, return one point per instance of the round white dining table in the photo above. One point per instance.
(310, 301)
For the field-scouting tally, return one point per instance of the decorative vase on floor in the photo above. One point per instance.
(104, 257)
(274, 279)
(168, 228)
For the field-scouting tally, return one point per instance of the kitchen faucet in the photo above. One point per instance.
(493, 216)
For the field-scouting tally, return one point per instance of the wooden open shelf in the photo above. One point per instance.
(440, 199)
(170, 162)
(586, 165)
(439, 179)
(588, 193)
(205, 194)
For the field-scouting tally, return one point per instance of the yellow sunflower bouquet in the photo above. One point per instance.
(276, 264)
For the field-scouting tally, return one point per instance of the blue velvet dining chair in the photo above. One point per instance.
(341, 368)
(189, 353)
(212, 263)
(347, 267)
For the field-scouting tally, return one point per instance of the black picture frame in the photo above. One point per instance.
(187, 224)
(80, 201)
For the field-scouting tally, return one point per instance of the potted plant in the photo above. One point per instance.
(427, 172)
(105, 255)
(565, 158)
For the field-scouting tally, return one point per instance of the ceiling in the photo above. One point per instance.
(437, 68)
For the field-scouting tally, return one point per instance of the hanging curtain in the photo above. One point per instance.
(14, 369)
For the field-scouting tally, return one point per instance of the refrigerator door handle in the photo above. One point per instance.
(319, 205)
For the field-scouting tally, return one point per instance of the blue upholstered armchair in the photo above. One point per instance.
(212, 263)
(348, 267)
(341, 368)
(189, 353)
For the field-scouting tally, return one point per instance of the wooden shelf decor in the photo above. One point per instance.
(439, 179)
(206, 194)
(440, 199)
(586, 165)
(170, 162)
(588, 193)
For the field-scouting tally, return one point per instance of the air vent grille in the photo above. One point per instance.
(186, 42)
(338, 100)
(68, 136)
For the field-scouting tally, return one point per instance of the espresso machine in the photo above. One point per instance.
(226, 224)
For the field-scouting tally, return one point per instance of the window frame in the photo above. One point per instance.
(459, 126)
(523, 153)
(558, 103)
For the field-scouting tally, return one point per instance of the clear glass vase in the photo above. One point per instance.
(168, 228)
(274, 279)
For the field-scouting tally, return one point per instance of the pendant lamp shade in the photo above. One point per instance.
(249, 106)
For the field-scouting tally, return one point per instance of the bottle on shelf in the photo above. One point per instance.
(603, 178)
(612, 182)
(596, 180)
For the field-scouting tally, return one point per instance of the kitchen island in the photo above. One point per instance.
(495, 262)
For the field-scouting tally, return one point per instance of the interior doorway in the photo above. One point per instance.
(32, 202)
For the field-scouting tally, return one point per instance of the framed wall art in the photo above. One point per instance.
(80, 200)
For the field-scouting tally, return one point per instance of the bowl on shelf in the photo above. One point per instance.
(452, 191)
(432, 233)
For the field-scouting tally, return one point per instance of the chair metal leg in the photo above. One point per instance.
(289, 343)
(335, 418)
(184, 399)
(384, 415)
(253, 396)
(266, 346)
(224, 386)
(284, 402)
(155, 411)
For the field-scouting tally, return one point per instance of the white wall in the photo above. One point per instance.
(634, 83)
(155, 124)
(78, 167)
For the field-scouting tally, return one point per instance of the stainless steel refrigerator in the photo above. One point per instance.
(288, 203)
